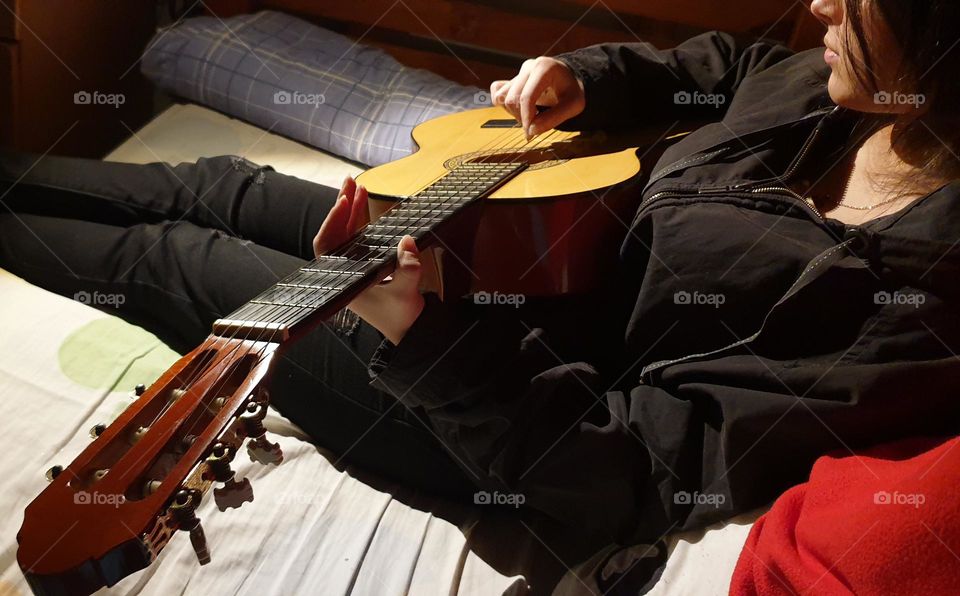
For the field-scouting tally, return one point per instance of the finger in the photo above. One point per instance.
(512, 101)
(407, 272)
(407, 252)
(535, 86)
(400, 287)
(348, 188)
(553, 117)
(359, 210)
(332, 230)
(498, 91)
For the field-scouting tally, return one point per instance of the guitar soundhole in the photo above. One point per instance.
(536, 159)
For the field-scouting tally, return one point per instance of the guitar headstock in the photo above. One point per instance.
(113, 509)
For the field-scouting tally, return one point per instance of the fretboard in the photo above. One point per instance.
(323, 286)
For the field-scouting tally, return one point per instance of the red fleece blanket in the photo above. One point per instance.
(886, 521)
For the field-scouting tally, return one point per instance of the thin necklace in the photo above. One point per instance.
(846, 189)
(843, 203)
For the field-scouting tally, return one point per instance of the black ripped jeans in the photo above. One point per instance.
(188, 244)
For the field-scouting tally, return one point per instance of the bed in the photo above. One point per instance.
(65, 366)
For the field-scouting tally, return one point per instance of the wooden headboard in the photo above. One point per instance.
(477, 41)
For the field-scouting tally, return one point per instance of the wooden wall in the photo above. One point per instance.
(476, 41)
(52, 49)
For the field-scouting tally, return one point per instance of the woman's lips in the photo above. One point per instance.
(831, 57)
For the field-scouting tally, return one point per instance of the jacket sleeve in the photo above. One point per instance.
(633, 461)
(635, 83)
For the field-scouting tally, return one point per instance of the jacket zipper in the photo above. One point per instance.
(808, 203)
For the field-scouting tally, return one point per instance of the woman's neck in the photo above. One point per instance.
(873, 181)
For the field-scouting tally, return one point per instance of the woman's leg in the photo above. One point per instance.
(224, 193)
(175, 278)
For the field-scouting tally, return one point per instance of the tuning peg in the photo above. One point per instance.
(97, 429)
(140, 389)
(233, 493)
(263, 451)
(183, 509)
(258, 447)
(53, 472)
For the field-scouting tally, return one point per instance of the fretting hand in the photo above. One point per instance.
(395, 303)
(542, 81)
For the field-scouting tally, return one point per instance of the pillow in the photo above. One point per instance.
(289, 76)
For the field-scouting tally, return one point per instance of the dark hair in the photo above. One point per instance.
(927, 32)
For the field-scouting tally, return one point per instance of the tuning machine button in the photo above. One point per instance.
(184, 509)
(53, 472)
(259, 448)
(233, 493)
(97, 429)
(263, 451)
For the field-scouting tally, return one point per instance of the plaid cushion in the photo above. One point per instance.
(289, 76)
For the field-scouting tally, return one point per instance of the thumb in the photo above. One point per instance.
(555, 116)
(408, 264)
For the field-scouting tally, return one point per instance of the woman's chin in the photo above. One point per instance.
(845, 95)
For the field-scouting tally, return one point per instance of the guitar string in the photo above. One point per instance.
(414, 223)
(407, 224)
(258, 314)
(267, 311)
(322, 280)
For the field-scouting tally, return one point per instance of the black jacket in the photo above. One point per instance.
(756, 335)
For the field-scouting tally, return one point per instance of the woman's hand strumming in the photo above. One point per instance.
(545, 82)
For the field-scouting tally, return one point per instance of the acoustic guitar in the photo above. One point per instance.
(546, 214)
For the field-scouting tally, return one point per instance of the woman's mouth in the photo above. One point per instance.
(831, 57)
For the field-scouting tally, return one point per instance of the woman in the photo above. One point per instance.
(787, 286)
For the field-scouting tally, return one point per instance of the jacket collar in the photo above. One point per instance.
(920, 245)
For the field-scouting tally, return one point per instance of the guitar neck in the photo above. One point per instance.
(328, 283)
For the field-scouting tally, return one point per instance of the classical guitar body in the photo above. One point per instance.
(545, 232)
(537, 217)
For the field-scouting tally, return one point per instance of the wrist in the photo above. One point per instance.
(395, 332)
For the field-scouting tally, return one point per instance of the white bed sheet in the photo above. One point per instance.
(312, 528)
(700, 563)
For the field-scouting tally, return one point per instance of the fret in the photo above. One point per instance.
(331, 280)
(410, 210)
(278, 296)
(331, 271)
(384, 232)
(309, 287)
(305, 277)
(393, 220)
(286, 304)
